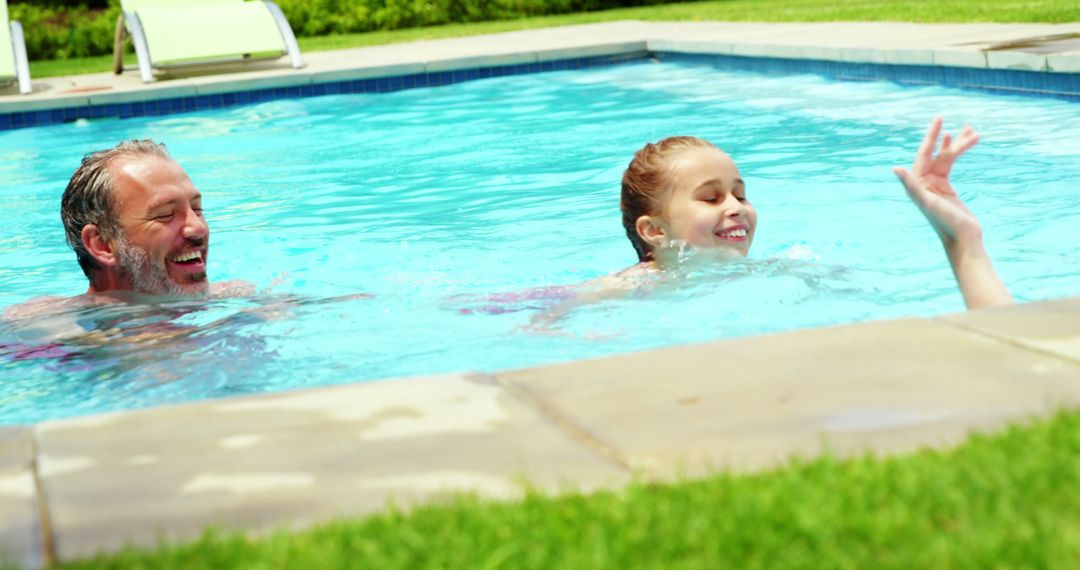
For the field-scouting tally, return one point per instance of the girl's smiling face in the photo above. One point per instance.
(705, 206)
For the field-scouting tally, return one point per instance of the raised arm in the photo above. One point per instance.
(928, 186)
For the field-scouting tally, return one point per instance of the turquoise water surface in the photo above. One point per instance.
(451, 205)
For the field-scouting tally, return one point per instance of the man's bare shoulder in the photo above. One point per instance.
(42, 306)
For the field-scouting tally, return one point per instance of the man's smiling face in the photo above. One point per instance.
(164, 239)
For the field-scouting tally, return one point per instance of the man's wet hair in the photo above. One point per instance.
(88, 198)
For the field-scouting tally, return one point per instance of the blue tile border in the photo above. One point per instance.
(389, 84)
(1001, 81)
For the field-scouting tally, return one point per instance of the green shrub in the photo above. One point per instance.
(321, 17)
(64, 3)
(60, 29)
(64, 32)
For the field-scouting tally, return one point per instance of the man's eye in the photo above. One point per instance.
(163, 217)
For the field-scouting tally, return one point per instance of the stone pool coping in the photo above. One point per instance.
(72, 487)
(982, 46)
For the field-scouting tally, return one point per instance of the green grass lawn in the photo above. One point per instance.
(1011, 500)
(732, 10)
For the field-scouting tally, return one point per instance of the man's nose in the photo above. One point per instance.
(195, 226)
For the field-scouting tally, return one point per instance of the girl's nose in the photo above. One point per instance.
(733, 207)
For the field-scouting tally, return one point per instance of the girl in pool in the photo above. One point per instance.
(684, 193)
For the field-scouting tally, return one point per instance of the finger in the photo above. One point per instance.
(926, 151)
(911, 184)
(967, 139)
(946, 141)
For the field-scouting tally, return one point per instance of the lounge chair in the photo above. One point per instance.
(13, 64)
(171, 34)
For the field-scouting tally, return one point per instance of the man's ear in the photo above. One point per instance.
(99, 248)
(651, 229)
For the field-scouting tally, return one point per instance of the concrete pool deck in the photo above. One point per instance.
(70, 488)
(1034, 47)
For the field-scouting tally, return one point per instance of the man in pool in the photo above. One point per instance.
(135, 221)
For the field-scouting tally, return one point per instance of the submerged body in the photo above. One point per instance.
(61, 312)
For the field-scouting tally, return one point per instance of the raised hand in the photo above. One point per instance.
(928, 184)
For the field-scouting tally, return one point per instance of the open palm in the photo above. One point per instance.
(928, 184)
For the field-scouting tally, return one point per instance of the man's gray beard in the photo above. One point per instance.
(149, 276)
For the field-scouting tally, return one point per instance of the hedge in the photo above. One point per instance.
(57, 32)
(58, 29)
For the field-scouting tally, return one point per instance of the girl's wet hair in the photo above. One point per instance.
(645, 183)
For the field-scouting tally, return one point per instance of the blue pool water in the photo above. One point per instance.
(450, 205)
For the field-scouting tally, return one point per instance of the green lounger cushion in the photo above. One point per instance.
(7, 53)
(208, 30)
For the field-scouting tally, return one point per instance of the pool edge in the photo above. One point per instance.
(971, 64)
(297, 458)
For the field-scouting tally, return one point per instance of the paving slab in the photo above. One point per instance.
(332, 75)
(767, 50)
(21, 537)
(705, 47)
(910, 56)
(862, 34)
(1016, 60)
(751, 403)
(623, 48)
(294, 459)
(953, 57)
(1068, 62)
(1049, 326)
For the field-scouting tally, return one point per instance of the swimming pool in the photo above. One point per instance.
(447, 203)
